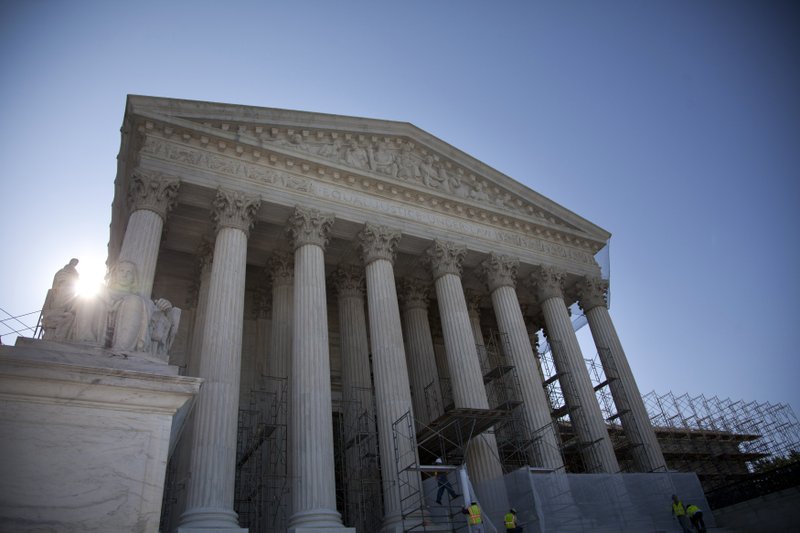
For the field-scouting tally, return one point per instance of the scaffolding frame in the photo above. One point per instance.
(358, 454)
(262, 487)
(723, 440)
(579, 456)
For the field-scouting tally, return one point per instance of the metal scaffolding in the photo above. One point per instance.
(262, 485)
(358, 457)
(724, 441)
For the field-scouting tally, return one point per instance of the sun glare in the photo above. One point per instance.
(90, 281)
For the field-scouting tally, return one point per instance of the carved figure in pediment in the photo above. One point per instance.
(433, 177)
(57, 313)
(356, 156)
(407, 167)
(295, 142)
(382, 160)
(479, 192)
(332, 150)
(460, 188)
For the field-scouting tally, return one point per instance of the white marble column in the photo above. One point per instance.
(279, 353)
(426, 396)
(198, 300)
(205, 257)
(483, 463)
(310, 421)
(263, 314)
(213, 465)
(474, 307)
(358, 406)
(587, 419)
(392, 389)
(151, 196)
(647, 455)
(281, 269)
(501, 274)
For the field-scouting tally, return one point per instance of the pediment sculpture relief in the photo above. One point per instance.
(394, 157)
(398, 160)
(117, 318)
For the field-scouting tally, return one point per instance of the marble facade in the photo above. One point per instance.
(307, 247)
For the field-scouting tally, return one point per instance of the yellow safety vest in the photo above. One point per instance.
(511, 521)
(691, 510)
(474, 515)
(677, 509)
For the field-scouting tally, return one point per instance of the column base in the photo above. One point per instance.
(209, 520)
(340, 529)
(182, 529)
(316, 520)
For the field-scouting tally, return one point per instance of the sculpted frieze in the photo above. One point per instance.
(342, 191)
(396, 157)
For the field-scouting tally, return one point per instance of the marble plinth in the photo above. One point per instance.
(85, 436)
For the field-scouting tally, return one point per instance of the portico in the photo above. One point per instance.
(352, 229)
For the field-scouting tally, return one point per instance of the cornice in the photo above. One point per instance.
(185, 144)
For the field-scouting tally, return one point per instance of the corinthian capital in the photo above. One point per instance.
(592, 293)
(281, 269)
(378, 242)
(235, 210)
(153, 191)
(309, 226)
(349, 281)
(548, 282)
(445, 258)
(414, 293)
(500, 271)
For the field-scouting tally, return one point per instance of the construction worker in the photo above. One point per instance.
(511, 521)
(444, 484)
(474, 513)
(696, 517)
(680, 514)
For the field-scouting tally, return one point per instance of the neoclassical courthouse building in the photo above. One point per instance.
(356, 261)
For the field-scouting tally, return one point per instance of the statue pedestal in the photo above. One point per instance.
(85, 436)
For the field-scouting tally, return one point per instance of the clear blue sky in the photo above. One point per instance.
(675, 125)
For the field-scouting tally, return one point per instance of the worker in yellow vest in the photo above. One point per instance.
(474, 513)
(680, 514)
(696, 517)
(511, 522)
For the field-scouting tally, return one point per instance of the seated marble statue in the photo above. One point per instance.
(121, 319)
(57, 312)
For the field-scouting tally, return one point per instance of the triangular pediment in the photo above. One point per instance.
(394, 154)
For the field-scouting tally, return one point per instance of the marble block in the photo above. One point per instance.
(85, 438)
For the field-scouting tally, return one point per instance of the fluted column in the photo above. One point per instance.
(501, 273)
(646, 451)
(213, 465)
(587, 419)
(205, 257)
(426, 395)
(356, 382)
(474, 308)
(281, 269)
(263, 315)
(310, 423)
(466, 377)
(198, 300)
(358, 405)
(150, 197)
(392, 390)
